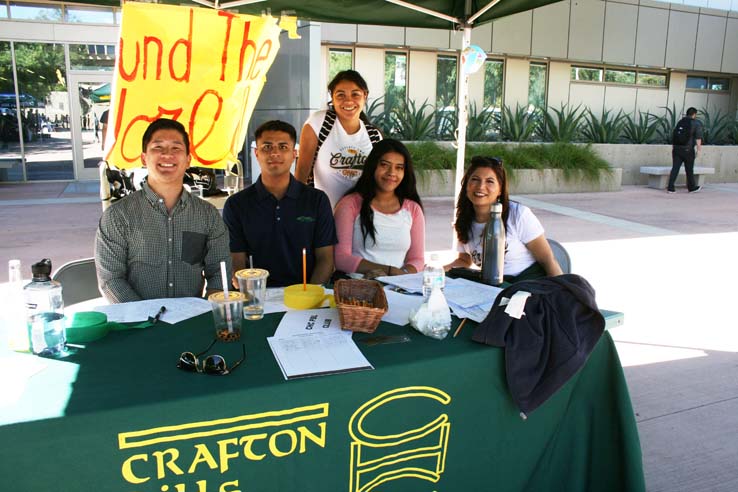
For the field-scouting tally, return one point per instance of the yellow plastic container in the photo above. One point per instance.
(312, 297)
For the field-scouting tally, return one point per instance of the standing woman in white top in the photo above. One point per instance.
(334, 143)
(380, 222)
(526, 248)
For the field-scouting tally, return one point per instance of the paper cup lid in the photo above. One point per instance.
(252, 273)
(233, 295)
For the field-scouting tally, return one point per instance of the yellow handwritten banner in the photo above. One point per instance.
(204, 68)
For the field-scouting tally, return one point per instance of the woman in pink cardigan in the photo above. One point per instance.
(380, 222)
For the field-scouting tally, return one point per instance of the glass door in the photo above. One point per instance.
(90, 103)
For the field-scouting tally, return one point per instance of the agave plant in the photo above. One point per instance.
(518, 126)
(447, 121)
(562, 125)
(716, 128)
(734, 133)
(412, 122)
(482, 124)
(667, 123)
(379, 113)
(603, 129)
(641, 130)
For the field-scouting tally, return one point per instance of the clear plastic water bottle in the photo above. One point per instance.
(15, 314)
(44, 311)
(493, 247)
(433, 275)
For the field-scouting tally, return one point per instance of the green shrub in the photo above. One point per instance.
(642, 130)
(716, 127)
(572, 159)
(519, 126)
(605, 129)
(562, 125)
(667, 123)
(413, 123)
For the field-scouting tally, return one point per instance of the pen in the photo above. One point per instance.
(155, 319)
(459, 328)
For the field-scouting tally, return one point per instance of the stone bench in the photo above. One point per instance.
(658, 176)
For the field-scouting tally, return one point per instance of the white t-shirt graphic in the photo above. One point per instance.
(340, 159)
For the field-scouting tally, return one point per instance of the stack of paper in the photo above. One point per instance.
(311, 343)
(466, 299)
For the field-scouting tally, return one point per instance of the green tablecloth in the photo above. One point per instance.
(433, 415)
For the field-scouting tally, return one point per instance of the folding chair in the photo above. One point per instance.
(562, 256)
(78, 280)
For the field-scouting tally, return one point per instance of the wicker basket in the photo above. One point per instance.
(361, 304)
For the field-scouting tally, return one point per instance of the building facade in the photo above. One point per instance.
(57, 59)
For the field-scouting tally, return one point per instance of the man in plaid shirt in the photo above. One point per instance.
(161, 241)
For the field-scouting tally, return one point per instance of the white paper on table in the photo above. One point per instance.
(474, 313)
(400, 306)
(178, 309)
(310, 322)
(412, 282)
(466, 293)
(317, 355)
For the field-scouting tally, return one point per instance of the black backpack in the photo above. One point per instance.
(682, 132)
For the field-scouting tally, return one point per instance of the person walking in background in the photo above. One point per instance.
(527, 252)
(380, 221)
(334, 143)
(686, 135)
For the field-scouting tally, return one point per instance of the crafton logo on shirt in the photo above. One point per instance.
(305, 218)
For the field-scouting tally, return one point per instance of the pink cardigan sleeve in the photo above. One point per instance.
(347, 209)
(416, 254)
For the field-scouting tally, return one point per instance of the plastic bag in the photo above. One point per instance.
(433, 318)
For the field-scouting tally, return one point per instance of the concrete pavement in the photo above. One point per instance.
(666, 261)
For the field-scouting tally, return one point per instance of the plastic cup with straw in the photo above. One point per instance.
(226, 296)
(304, 269)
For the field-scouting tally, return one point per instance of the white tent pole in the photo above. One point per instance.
(462, 104)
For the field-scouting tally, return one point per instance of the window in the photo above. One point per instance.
(89, 15)
(652, 79)
(620, 76)
(92, 57)
(586, 73)
(537, 85)
(698, 82)
(338, 61)
(446, 81)
(395, 77)
(22, 11)
(719, 84)
(493, 70)
(3, 11)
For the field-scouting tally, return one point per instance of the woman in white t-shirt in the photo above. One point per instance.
(380, 222)
(484, 183)
(335, 143)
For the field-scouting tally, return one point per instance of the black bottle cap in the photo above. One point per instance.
(41, 270)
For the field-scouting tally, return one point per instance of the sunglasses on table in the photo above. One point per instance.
(212, 364)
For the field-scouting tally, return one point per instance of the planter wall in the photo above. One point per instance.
(626, 161)
(524, 181)
(724, 158)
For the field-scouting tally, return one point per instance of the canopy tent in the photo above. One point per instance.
(101, 94)
(461, 15)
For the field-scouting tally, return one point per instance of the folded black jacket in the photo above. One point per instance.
(550, 342)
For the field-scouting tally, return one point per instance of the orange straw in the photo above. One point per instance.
(304, 270)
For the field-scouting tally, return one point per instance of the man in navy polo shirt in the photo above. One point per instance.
(276, 217)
